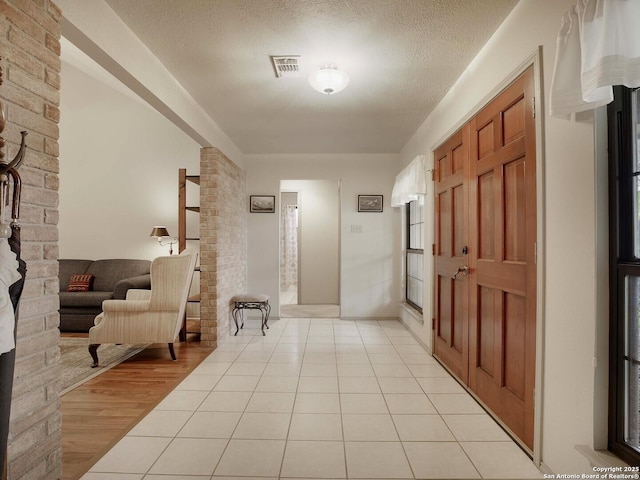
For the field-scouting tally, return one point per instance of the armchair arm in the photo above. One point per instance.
(135, 294)
(125, 306)
(139, 282)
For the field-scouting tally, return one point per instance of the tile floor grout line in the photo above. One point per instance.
(236, 426)
(395, 426)
(257, 341)
(165, 449)
(239, 419)
(295, 395)
(344, 441)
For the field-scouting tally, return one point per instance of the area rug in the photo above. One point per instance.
(75, 361)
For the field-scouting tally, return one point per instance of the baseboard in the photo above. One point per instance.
(412, 312)
(545, 469)
(416, 338)
(600, 458)
(258, 318)
(352, 319)
(596, 458)
(375, 319)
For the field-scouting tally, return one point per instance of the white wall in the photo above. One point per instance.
(288, 198)
(319, 236)
(567, 237)
(369, 261)
(93, 27)
(107, 157)
(119, 163)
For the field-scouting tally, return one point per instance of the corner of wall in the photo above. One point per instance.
(30, 39)
(223, 242)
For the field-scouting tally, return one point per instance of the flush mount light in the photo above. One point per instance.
(329, 80)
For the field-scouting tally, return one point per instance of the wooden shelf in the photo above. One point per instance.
(183, 208)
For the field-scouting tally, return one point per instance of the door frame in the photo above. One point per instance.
(293, 185)
(535, 60)
(280, 232)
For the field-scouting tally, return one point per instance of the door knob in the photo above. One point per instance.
(464, 270)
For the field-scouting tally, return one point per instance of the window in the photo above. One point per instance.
(415, 253)
(624, 261)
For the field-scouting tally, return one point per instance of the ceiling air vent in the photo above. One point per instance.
(286, 66)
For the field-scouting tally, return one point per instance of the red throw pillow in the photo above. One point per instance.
(81, 283)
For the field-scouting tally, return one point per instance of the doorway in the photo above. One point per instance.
(309, 247)
(289, 248)
(485, 329)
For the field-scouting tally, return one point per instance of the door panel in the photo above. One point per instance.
(459, 158)
(452, 203)
(514, 343)
(458, 325)
(511, 273)
(445, 217)
(513, 121)
(514, 202)
(486, 329)
(486, 201)
(485, 140)
(486, 218)
(443, 327)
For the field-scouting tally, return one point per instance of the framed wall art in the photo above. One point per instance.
(262, 203)
(370, 203)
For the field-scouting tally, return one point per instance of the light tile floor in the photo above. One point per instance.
(317, 398)
(289, 296)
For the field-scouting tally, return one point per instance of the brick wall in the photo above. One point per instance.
(30, 51)
(223, 242)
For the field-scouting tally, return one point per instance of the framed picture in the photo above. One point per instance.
(262, 203)
(370, 203)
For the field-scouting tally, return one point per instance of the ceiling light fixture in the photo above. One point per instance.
(329, 80)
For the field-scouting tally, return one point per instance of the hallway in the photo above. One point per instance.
(317, 398)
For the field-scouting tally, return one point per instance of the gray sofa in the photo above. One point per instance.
(112, 280)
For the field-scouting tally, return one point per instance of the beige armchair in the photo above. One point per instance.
(147, 316)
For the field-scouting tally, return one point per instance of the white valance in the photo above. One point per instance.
(598, 46)
(410, 183)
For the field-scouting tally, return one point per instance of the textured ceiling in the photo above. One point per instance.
(402, 57)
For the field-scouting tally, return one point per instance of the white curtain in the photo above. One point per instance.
(289, 247)
(410, 183)
(598, 46)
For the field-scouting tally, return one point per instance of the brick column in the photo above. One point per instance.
(30, 50)
(223, 242)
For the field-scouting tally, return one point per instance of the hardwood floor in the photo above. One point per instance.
(97, 414)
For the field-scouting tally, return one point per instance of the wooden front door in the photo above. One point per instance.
(452, 223)
(501, 301)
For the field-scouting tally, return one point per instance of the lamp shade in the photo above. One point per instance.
(159, 231)
(329, 80)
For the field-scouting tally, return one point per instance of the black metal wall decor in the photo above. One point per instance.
(12, 273)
